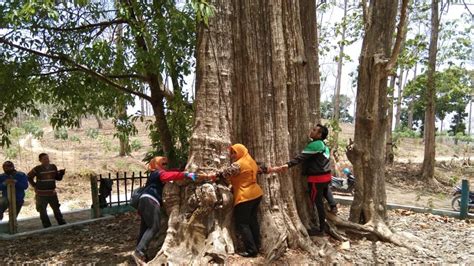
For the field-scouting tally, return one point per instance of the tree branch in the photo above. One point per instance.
(467, 8)
(400, 36)
(87, 26)
(80, 67)
(113, 76)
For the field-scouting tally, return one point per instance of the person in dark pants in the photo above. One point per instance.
(150, 202)
(46, 175)
(247, 196)
(21, 185)
(316, 166)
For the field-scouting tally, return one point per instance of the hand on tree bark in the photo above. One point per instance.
(277, 169)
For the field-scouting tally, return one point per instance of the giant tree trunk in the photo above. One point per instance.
(311, 41)
(367, 152)
(199, 214)
(429, 156)
(271, 113)
(257, 59)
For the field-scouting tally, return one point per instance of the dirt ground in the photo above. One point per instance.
(109, 242)
(445, 240)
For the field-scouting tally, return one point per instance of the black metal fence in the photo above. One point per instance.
(112, 193)
(116, 190)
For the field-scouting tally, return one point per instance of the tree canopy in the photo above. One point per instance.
(86, 57)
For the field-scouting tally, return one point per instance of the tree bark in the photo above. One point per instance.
(252, 51)
(100, 125)
(399, 98)
(199, 214)
(389, 154)
(272, 104)
(411, 109)
(311, 43)
(123, 141)
(367, 152)
(430, 151)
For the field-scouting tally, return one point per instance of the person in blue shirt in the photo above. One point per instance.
(21, 185)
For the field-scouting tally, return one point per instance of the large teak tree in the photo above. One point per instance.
(252, 88)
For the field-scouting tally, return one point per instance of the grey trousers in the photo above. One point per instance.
(149, 212)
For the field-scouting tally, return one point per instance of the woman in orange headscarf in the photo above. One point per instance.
(247, 196)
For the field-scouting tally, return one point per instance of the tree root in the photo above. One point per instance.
(377, 230)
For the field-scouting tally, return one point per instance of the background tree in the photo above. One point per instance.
(327, 109)
(378, 57)
(349, 30)
(61, 44)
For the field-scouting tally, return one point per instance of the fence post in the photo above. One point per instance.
(95, 197)
(11, 195)
(464, 199)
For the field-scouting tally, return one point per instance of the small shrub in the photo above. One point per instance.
(464, 138)
(92, 133)
(135, 145)
(11, 152)
(75, 139)
(405, 133)
(33, 128)
(61, 133)
(16, 132)
(121, 164)
(106, 143)
(453, 180)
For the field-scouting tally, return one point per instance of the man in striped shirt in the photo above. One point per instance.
(46, 175)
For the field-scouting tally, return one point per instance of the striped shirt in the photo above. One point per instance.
(46, 176)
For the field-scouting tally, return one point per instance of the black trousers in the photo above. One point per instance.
(41, 205)
(149, 212)
(4, 207)
(245, 215)
(319, 191)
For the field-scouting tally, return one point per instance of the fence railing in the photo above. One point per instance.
(114, 190)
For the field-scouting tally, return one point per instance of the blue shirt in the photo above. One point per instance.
(21, 185)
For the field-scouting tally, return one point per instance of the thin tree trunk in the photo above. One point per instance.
(470, 115)
(100, 125)
(399, 98)
(411, 109)
(337, 91)
(411, 104)
(142, 40)
(389, 154)
(124, 143)
(430, 152)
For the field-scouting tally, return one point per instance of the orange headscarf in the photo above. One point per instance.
(244, 184)
(157, 163)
